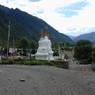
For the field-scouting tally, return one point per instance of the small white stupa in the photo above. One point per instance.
(44, 51)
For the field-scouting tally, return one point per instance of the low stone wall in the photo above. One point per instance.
(61, 63)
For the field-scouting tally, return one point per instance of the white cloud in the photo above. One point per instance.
(45, 9)
(34, 0)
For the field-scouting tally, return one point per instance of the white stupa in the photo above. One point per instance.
(44, 51)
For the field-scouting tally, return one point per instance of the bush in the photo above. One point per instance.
(7, 62)
(93, 59)
(85, 62)
(77, 62)
(93, 55)
(93, 66)
(83, 51)
(61, 64)
(33, 62)
(58, 63)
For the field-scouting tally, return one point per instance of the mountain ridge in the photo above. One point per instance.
(87, 36)
(24, 24)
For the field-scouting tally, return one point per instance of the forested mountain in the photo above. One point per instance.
(26, 25)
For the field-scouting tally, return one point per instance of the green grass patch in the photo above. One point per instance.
(58, 63)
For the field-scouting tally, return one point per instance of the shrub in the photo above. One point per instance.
(7, 62)
(58, 63)
(93, 66)
(61, 64)
(33, 62)
(93, 59)
(83, 51)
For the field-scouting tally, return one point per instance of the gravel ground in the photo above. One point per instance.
(45, 80)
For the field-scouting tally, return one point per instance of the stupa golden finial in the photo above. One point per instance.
(42, 33)
(45, 31)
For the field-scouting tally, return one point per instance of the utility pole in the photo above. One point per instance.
(13, 45)
(64, 48)
(8, 37)
(60, 52)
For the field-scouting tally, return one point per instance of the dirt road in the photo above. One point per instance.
(45, 80)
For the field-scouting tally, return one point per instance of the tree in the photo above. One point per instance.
(83, 51)
(23, 43)
(33, 46)
(93, 59)
(93, 55)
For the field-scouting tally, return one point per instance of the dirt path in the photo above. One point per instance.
(44, 80)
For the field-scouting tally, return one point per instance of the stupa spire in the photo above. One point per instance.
(44, 32)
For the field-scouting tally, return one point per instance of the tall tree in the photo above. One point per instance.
(93, 55)
(83, 50)
(33, 44)
(24, 43)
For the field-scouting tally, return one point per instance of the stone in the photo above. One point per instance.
(22, 80)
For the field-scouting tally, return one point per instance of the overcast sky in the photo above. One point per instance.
(71, 17)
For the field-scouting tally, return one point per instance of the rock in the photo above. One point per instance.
(22, 80)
